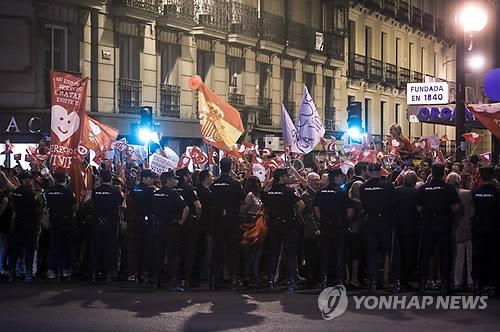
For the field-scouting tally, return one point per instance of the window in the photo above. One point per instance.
(422, 60)
(129, 57)
(309, 12)
(397, 111)
(411, 49)
(368, 42)
(383, 42)
(169, 55)
(352, 37)
(398, 45)
(236, 67)
(264, 71)
(367, 107)
(329, 86)
(382, 109)
(288, 78)
(204, 62)
(56, 47)
(435, 65)
(309, 82)
(334, 18)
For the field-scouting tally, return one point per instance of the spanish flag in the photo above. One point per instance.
(221, 125)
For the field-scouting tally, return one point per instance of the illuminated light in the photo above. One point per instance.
(476, 62)
(354, 133)
(145, 135)
(472, 17)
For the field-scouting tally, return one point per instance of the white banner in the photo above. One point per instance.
(161, 164)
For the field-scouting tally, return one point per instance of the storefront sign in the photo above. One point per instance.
(444, 114)
(432, 93)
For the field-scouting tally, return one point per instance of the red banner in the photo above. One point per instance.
(488, 115)
(69, 94)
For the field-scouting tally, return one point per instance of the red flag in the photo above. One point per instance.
(488, 115)
(69, 94)
(81, 180)
(221, 124)
(369, 156)
(197, 155)
(474, 138)
(97, 136)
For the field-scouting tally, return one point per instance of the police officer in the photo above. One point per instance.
(192, 229)
(27, 208)
(206, 179)
(170, 211)
(61, 204)
(106, 201)
(377, 199)
(333, 209)
(281, 205)
(142, 228)
(485, 231)
(227, 195)
(406, 226)
(438, 201)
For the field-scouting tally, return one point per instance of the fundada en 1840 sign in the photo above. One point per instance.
(432, 93)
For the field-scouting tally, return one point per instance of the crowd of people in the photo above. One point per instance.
(431, 226)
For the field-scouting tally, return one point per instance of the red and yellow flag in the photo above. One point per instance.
(97, 136)
(221, 124)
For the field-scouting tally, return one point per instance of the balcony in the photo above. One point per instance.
(404, 77)
(178, 14)
(403, 12)
(300, 36)
(170, 100)
(129, 96)
(391, 74)
(357, 66)
(290, 107)
(244, 22)
(330, 118)
(389, 8)
(440, 28)
(212, 18)
(428, 23)
(416, 18)
(416, 77)
(375, 70)
(265, 114)
(144, 10)
(450, 33)
(334, 46)
(372, 4)
(236, 99)
(271, 28)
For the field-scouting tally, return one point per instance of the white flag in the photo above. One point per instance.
(309, 126)
(288, 130)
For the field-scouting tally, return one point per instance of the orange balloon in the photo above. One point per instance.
(195, 82)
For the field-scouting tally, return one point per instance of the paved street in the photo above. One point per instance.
(127, 307)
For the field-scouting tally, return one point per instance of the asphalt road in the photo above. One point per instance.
(45, 306)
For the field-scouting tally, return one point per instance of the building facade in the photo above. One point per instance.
(256, 54)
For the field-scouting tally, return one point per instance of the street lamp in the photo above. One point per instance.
(476, 62)
(471, 18)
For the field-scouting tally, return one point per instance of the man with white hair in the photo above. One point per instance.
(462, 234)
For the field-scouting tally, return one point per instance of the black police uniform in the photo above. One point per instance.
(207, 225)
(333, 203)
(406, 226)
(377, 198)
(485, 235)
(106, 202)
(28, 210)
(311, 236)
(279, 203)
(227, 195)
(142, 230)
(436, 199)
(167, 207)
(190, 230)
(61, 202)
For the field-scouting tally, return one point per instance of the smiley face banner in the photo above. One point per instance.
(69, 94)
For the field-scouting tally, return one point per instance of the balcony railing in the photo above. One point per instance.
(272, 28)
(372, 4)
(391, 74)
(265, 117)
(450, 33)
(416, 77)
(129, 92)
(179, 9)
(403, 11)
(153, 6)
(236, 99)
(357, 66)
(416, 18)
(440, 28)
(389, 7)
(212, 14)
(290, 107)
(428, 23)
(335, 46)
(170, 100)
(330, 118)
(375, 70)
(243, 19)
(404, 77)
(299, 36)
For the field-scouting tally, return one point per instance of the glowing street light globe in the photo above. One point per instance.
(476, 62)
(472, 17)
(354, 133)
